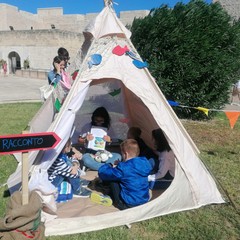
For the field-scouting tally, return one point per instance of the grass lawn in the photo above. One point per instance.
(220, 151)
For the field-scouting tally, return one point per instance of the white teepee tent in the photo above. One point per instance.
(134, 99)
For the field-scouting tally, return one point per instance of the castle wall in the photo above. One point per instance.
(231, 6)
(37, 37)
(46, 17)
(127, 17)
(19, 20)
(34, 38)
(39, 46)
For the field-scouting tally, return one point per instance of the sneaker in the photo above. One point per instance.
(83, 193)
(84, 182)
(101, 199)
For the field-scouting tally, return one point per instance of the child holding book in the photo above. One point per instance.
(101, 119)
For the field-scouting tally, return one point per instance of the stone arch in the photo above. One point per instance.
(14, 61)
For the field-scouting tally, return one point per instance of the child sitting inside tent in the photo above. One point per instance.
(100, 119)
(128, 179)
(67, 170)
(145, 150)
(166, 168)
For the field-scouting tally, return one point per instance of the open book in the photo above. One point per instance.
(97, 143)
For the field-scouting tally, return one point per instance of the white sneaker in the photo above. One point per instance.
(83, 193)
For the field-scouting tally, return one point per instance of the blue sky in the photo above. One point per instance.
(89, 6)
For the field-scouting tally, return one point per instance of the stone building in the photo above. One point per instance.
(33, 39)
(231, 6)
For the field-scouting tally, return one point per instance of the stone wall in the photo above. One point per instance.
(47, 18)
(37, 37)
(231, 6)
(39, 46)
(127, 17)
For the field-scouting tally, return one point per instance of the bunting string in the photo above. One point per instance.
(232, 115)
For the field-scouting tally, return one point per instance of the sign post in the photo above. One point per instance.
(25, 176)
(24, 143)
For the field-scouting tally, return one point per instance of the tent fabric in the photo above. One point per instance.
(137, 101)
(106, 24)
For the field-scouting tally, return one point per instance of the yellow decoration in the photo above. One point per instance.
(205, 110)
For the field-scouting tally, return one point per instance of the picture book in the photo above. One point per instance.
(98, 142)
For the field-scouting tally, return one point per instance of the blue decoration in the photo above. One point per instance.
(96, 59)
(173, 104)
(140, 64)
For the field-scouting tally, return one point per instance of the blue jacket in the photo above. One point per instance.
(133, 178)
(53, 77)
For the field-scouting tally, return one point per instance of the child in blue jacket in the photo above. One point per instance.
(129, 178)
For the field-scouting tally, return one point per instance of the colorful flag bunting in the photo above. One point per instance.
(173, 104)
(205, 110)
(232, 117)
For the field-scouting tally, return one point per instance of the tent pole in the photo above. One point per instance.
(107, 2)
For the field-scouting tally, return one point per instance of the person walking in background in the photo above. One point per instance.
(5, 69)
(236, 92)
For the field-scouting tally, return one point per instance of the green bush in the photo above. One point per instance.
(193, 51)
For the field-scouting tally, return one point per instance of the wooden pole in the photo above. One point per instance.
(24, 176)
(107, 2)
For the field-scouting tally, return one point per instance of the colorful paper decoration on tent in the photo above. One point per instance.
(231, 115)
(96, 59)
(57, 105)
(140, 64)
(119, 51)
(74, 75)
(115, 92)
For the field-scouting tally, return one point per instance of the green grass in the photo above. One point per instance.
(220, 151)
